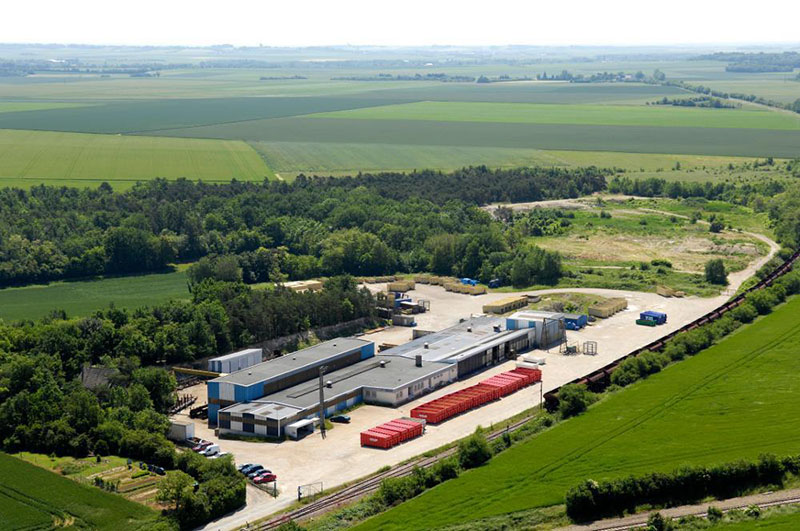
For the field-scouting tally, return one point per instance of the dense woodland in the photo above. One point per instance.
(364, 225)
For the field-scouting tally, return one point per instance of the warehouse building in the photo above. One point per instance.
(382, 380)
(549, 326)
(472, 345)
(236, 361)
(281, 373)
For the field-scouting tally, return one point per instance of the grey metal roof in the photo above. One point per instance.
(536, 314)
(262, 408)
(573, 316)
(455, 343)
(396, 372)
(236, 354)
(294, 361)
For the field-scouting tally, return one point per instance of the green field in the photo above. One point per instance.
(22, 106)
(30, 157)
(82, 297)
(737, 399)
(653, 115)
(290, 158)
(563, 137)
(32, 498)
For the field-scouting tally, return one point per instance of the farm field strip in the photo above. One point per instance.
(700, 411)
(77, 157)
(564, 137)
(82, 297)
(145, 116)
(291, 158)
(653, 115)
(25, 106)
(43, 500)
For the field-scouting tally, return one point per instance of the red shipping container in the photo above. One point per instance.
(378, 440)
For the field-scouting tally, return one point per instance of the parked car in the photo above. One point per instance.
(342, 419)
(211, 450)
(250, 468)
(159, 470)
(202, 446)
(241, 468)
(262, 472)
(266, 478)
(221, 454)
(254, 472)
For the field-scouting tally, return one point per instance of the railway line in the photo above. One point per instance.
(596, 381)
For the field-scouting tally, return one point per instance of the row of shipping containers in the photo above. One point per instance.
(487, 390)
(392, 433)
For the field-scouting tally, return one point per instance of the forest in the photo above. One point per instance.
(363, 225)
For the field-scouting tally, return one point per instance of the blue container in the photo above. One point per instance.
(649, 315)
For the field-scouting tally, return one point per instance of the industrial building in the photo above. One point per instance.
(280, 373)
(381, 380)
(282, 396)
(236, 361)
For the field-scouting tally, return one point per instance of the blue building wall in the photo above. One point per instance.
(519, 324)
(367, 351)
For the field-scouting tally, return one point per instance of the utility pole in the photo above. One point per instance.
(322, 400)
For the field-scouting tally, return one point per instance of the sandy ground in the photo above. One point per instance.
(339, 458)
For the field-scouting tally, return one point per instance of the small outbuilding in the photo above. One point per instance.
(575, 321)
(658, 318)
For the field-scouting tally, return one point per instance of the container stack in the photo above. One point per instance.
(490, 389)
(392, 433)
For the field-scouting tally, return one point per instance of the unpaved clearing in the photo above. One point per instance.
(339, 458)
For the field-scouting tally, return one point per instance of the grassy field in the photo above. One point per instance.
(653, 115)
(83, 297)
(735, 400)
(75, 159)
(564, 137)
(22, 106)
(321, 158)
(32, 498)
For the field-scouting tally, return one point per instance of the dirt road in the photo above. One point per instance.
(769, 499)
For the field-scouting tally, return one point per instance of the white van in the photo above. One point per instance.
(211, 450)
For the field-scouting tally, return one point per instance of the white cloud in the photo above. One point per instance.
(411, 22)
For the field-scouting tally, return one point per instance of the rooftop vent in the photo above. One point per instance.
(249, 373)
(329, 384)
(418, 360)
(469, 329)
(427, 345)
(383, 364)
(496, 328)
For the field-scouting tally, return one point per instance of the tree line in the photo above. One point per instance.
(363, 225)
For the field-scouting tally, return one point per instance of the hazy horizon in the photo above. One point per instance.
(243, 23)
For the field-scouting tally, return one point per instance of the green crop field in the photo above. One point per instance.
(737, 399)
(84, 296)
(32, 157)
(653, 115)
(566, 137)
(22, 106)
(32, 498)
(291, 158)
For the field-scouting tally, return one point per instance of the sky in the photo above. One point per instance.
(406, 22)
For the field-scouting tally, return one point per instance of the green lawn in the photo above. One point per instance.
(74, 159)
(654, 115)
(33, 498)
(735, 400)
(83, 297)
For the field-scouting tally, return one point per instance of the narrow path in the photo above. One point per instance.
(767, 499)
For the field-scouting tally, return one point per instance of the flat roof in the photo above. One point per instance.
(395, 373)
(457, 342)
(536, 314)
(236, 354)
(262, 409)
(308, 357)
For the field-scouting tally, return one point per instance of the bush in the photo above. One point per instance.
(473, 451)
(715, 272)
(591, 500)
(744, 313)
(657, 522)
(573, 399)
(714, 514)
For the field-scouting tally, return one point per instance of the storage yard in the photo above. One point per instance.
(340, 457)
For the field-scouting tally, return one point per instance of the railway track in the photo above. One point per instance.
(372, 484)
(598, 379)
